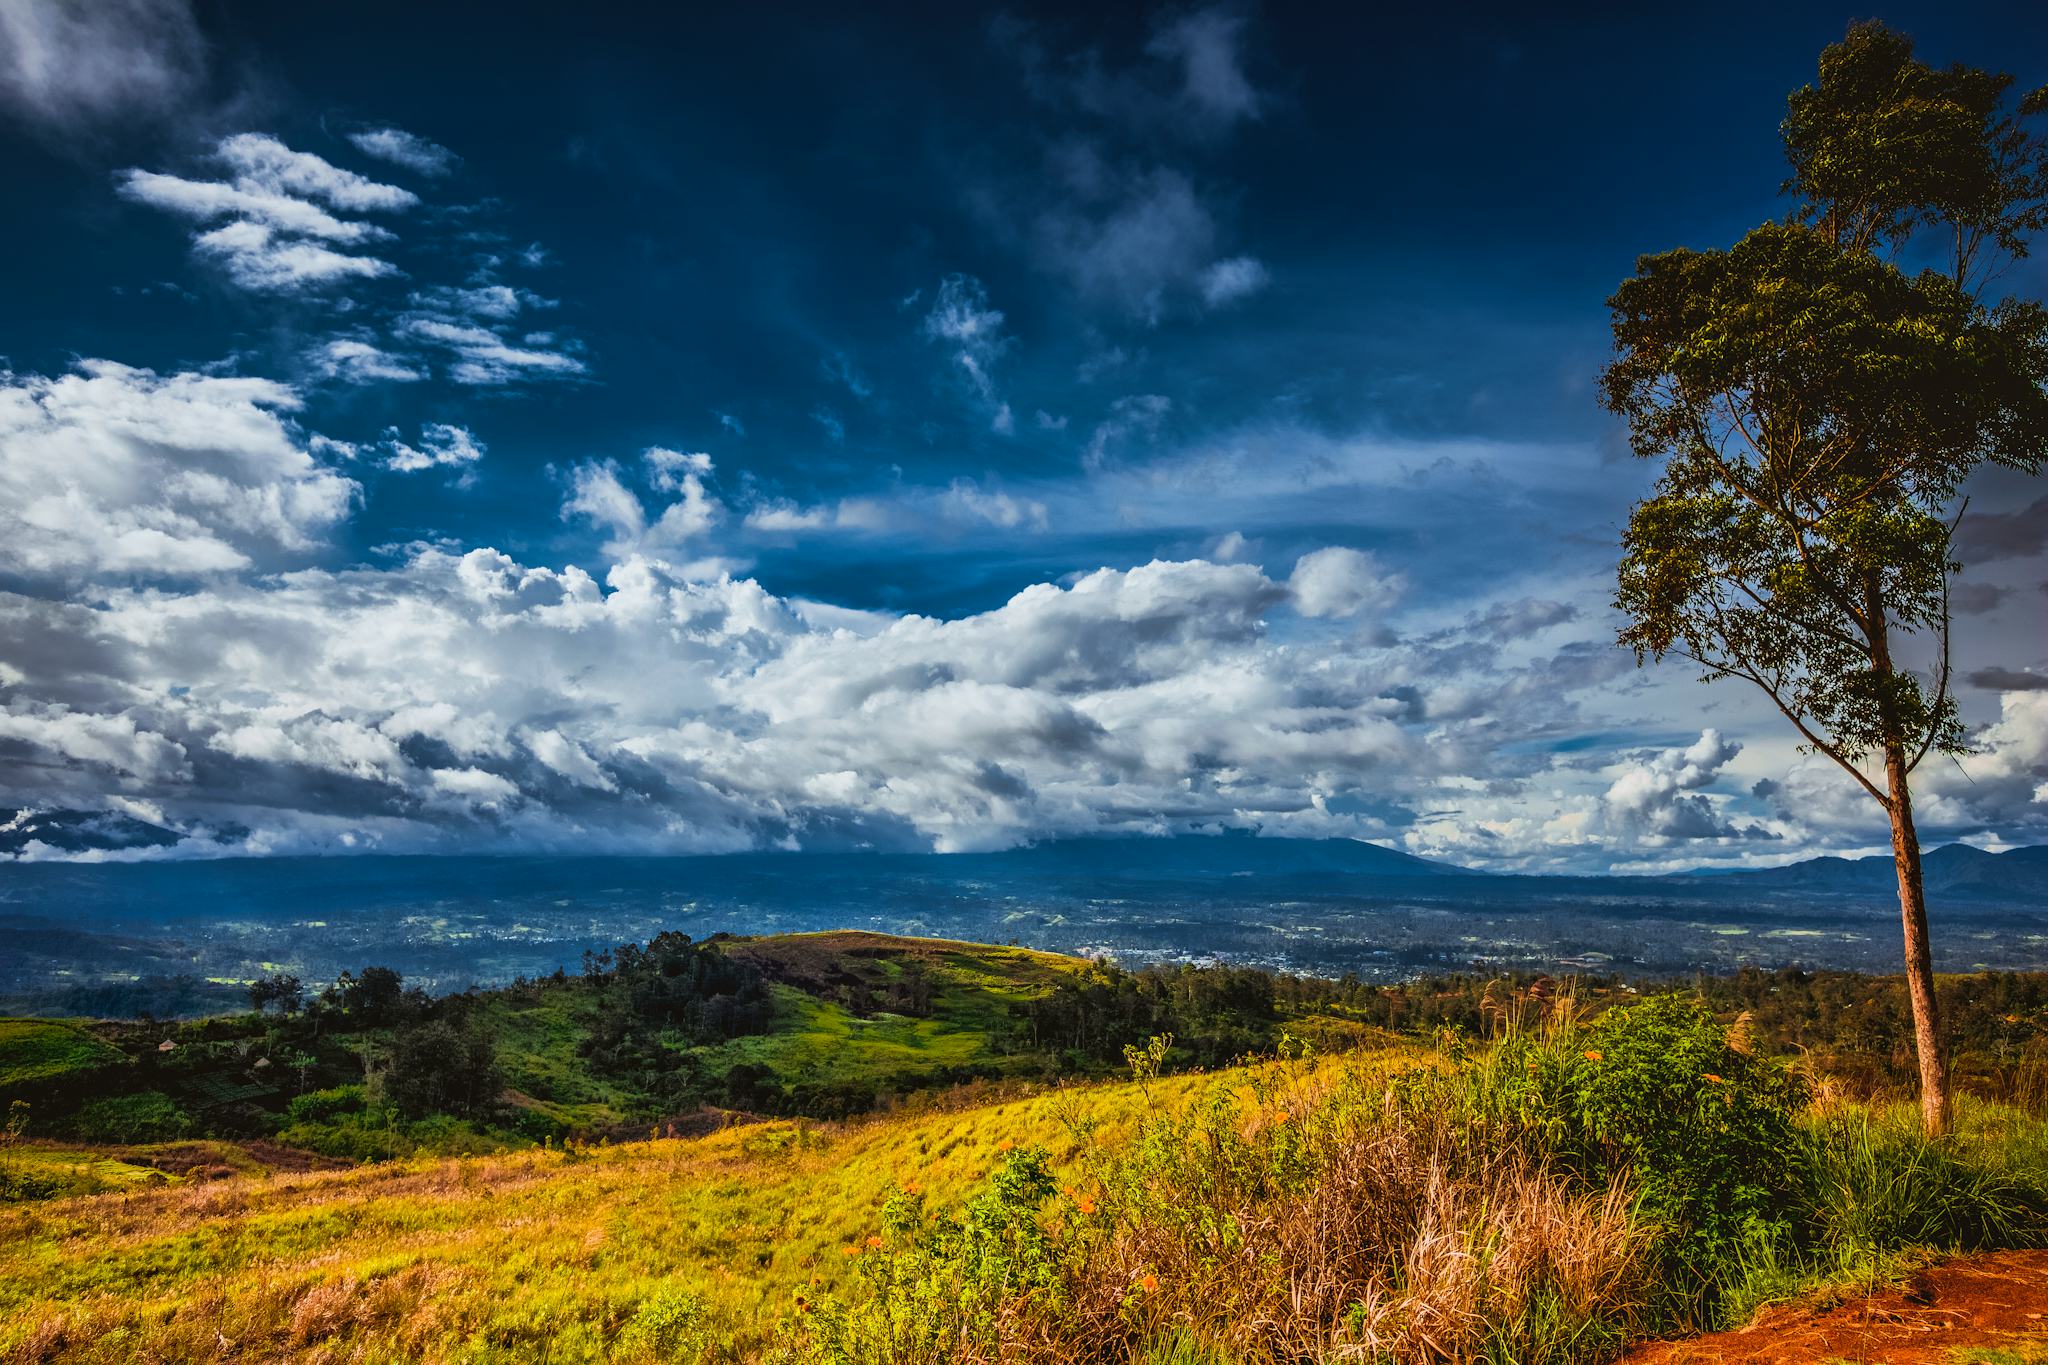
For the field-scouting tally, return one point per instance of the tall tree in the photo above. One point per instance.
(1817, 410)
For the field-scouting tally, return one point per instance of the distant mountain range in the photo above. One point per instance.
(1951, 870)
(1237, 853)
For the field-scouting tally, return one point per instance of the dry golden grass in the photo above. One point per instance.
(1308, 1218)
(526, 1256)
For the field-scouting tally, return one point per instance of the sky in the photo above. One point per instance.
(684, 429)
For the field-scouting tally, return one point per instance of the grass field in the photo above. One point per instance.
(537, 1255)
(1386, 1194)
(37, 1050)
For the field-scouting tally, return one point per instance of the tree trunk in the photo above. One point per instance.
(1927, 1039)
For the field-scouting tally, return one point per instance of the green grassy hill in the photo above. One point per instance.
(674, 1036)
(1439, 1202)
(34, 1052)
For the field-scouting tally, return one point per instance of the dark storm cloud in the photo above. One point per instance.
(2007, 680)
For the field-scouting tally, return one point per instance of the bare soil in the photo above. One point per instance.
(1943, 1315)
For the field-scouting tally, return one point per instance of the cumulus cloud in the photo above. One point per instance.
(598, 495)
(114, 744)
(460, 698)
(67, 69)
(1660, 795)
(401, 148)
(2001, 787)
(1341, 582)
(440, 445)
(111, 470)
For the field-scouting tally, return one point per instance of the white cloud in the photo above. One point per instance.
(70, 67)
(670, 470)
(476, 787)
(204, 200)
(492, 301)
(961, 506)
(440, 445)
(1341, 582)
(972, 332)
(565, 756)
(1659, 795)
(485, 358)
(1226, 282)
(115, 742)
(258, 259)
(113, 470)
(2004, 783)
(356, 361)
(598, 494)
(401, 148)
(263, 163)
(282, 232)
(322, 743)
(968, 502)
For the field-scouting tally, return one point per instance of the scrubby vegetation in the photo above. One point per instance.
(676, 1033)
(1520, 1173)
(1543, 1198)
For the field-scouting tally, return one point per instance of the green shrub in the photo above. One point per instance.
(19, 1185)
(146, 1116)
(936, 1288)
(670, 1327)
(1653, 1094)
(322, 1105)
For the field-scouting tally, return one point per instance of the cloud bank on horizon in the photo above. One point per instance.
(414, 556)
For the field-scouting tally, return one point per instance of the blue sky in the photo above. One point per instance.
(936, 427)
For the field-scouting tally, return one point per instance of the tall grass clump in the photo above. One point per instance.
(1657, 1096)
(1272, 1220)
(1540, 1199)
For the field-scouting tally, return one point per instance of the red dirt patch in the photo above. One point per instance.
(1991, 1301)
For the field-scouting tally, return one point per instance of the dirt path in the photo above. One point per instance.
(1944, 1315)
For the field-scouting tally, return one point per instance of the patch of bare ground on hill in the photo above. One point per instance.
(1991, 1309)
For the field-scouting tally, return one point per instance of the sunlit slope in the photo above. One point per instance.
(36, 1051)
(525, 1256)
(833, 1024)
